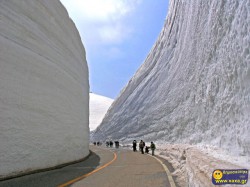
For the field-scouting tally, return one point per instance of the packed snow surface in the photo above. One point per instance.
(98, 107)
(44, 88)
(194, 86)
(194, 164)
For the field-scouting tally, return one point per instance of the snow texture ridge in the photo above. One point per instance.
(44, 87)
(98, 107)
(194, 165)
(194, 86)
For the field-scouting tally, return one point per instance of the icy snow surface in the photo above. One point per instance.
(44, 88)
(194, 86)
(98, 106)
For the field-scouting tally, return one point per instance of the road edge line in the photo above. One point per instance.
(170, 178)
(88, 174)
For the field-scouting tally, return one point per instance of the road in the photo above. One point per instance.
(105, 167)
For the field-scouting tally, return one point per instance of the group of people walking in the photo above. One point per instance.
(142, 145)
(97, 143)
(110, 144)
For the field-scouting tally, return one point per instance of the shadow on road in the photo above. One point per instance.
(55, 177)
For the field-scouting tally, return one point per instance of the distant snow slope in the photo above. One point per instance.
(98, 106)
(194, 86)
(44, 87)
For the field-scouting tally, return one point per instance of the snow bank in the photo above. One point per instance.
(44, 89)
(194, 165)
(98, 107)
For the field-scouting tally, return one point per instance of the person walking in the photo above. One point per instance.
(141, 146)
(152, 147)
(111, 144)
(134, 145)
(107, 143)
(117, 144)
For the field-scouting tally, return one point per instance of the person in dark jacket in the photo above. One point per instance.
(111, 144)
(141, 146)
(134, 145)
(152, 147)
(117, 144)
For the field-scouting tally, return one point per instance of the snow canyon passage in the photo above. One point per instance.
(44, 88)
(192, 90)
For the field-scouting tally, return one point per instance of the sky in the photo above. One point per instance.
(117, 36)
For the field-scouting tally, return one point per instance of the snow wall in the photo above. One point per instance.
(98, 107)
(194, 86)
(44, 87)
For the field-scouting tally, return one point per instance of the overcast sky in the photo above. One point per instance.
(117, 36)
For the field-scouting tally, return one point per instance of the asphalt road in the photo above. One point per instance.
(105, 167)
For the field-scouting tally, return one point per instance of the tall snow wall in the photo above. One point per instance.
(44, 87)
(98, 106)
(194, 86)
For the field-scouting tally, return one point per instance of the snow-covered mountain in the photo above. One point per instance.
(98, 106)
(194, 86)
(44, 88)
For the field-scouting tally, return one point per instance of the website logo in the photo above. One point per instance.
(232, 176)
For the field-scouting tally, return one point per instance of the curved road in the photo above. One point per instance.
(105, 167)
